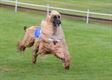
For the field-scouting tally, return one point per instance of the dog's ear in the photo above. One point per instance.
(49, 13)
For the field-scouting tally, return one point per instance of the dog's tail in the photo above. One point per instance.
(25, 27)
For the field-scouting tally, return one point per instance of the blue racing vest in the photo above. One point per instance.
(37, 32)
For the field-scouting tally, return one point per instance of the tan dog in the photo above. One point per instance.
(28, 39)
(52, 40)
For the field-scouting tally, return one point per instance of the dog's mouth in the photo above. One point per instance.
(56, 21)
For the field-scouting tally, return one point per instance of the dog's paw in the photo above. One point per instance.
(67, 67)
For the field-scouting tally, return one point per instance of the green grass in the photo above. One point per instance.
(90, 46)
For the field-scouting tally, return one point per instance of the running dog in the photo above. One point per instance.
(52, 40)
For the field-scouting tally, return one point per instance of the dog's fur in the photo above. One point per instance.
(52, 40)
(28, 39)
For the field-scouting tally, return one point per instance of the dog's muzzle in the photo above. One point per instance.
(56, 23)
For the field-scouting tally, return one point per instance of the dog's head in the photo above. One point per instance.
(55, 18)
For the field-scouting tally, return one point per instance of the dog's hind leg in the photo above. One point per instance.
(21, 46)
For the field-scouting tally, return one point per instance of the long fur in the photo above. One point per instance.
(57, 46)
(28, 39)
(51, 41)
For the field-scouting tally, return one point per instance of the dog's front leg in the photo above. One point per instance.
(64, 56)
(35, 50)
(34, 55)
(66, 60)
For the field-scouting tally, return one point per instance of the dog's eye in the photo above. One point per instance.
(55, 17)
(58, 16)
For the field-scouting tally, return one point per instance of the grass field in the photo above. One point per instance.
(90, 46)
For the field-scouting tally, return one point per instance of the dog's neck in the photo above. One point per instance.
(48, 26)
(51, 33)
(55, 30)
(49, 30)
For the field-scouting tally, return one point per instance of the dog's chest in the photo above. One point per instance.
(50, 46)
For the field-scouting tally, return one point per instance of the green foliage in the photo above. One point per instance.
(89, 45)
